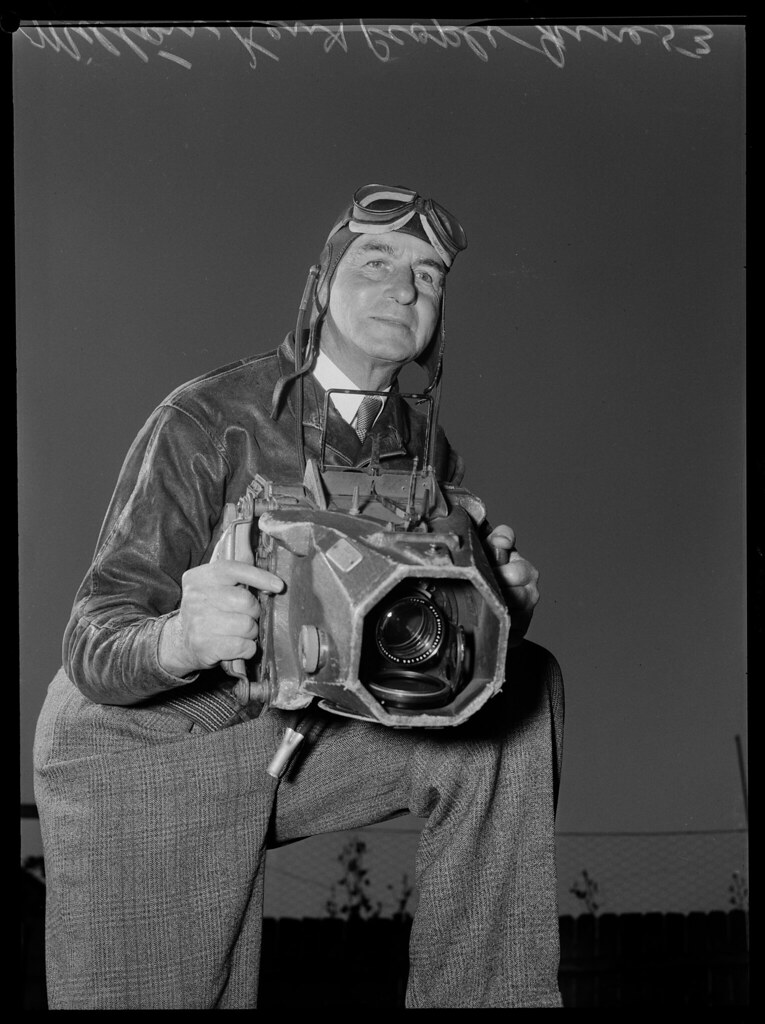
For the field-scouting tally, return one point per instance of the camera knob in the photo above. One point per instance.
(312, 647)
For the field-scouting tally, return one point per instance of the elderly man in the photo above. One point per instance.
(155, 807)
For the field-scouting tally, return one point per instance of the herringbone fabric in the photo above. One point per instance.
(155, 835)
(366, 415)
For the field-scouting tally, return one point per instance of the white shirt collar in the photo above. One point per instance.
(329, 375)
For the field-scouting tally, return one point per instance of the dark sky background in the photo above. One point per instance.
(170, 202)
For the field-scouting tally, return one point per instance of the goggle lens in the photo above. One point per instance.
(384, 205)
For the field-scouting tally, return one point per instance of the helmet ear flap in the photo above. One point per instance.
(334, 249)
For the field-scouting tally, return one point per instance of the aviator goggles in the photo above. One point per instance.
(380, 208)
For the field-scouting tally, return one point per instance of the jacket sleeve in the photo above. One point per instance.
(168, 498)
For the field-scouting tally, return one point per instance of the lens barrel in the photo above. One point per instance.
(414, 656)
(410, 631)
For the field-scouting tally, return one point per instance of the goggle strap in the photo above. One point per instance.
(398, 196)
(364, 227)
(434, 241)
(378, 228)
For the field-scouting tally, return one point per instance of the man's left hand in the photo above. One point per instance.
(518, 580)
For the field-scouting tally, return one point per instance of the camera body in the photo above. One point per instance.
(391, 611)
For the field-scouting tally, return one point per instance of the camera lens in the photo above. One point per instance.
(409, 689)
(410, 631)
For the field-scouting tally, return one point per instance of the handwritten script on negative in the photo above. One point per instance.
(262, 40)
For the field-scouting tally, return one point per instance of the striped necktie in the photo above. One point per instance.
(367, 414)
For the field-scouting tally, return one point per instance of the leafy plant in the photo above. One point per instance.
(350, 900)
(401, 913)
(585, 888)
(739, 891)
(35, 866)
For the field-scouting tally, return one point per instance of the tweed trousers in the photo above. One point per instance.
(155, 834)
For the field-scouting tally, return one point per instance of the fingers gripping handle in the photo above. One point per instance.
(501, 555)
(235, 545)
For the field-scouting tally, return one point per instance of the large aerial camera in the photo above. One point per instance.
(391, 611)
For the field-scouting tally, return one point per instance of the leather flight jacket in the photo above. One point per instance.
(198, 450)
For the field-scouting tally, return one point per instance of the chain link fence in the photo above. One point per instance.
(598, 872)
(617, 873)
(647, 872)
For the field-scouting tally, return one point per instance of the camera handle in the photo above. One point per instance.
(235, 545)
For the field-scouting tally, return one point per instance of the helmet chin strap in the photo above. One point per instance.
(432, 359)
(302, 362)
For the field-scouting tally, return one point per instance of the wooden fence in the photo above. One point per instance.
(697, 959)
(625, 960)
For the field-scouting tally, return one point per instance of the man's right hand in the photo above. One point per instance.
(218, 616)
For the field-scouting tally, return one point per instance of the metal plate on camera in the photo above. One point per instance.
(327, 705)
(344, 555)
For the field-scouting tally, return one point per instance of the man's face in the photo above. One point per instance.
(384, 304)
